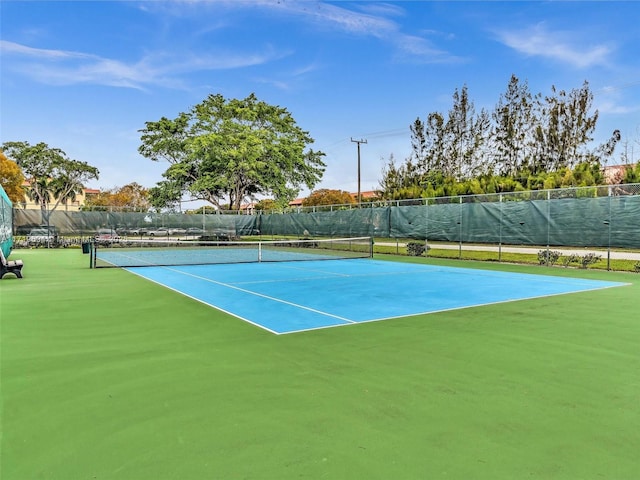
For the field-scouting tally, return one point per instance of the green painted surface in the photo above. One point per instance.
(107, 376)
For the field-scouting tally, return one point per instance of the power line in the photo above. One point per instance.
(380, 134)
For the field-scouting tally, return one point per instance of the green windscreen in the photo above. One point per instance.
(6, 223)
(578, 217)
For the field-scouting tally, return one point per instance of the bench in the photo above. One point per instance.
(10, 266)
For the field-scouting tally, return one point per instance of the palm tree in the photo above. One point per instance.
(40, 191)
(65, 189)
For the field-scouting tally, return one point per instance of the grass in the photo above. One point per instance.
(108, 376)
(619, 265)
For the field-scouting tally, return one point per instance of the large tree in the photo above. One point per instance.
(565, 128)
(226, 150)
(326, 196)
(131, 197)
(511, 134)
(427, 145)
(466, 134)
(11, 179)
(51, 175)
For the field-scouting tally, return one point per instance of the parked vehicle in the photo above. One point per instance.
(191, 231)
(166, 232)
(106, 235)
(42, 236)
(136, 231)
(158, 232)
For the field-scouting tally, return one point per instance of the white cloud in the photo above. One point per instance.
(372, 20)
(564, 47)
(348, 20)
(610, 107)
(611, 100)
(418, 49)
(8, 48)
(382, 8)
(59, 67)
(292, 77)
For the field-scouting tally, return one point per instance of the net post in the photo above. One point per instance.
(259, 251)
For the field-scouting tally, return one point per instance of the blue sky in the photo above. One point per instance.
(85, 76)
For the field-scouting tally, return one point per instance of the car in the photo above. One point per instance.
(177, 231)
(158, 232)
(194, 231)
(106, 235)
(42, 236)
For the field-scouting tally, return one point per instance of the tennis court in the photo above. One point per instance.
(296, 296)
(282, 287)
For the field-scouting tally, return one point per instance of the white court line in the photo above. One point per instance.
(204, 303)
(244, 290)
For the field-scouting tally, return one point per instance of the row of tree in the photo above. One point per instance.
(527, 142)
(221, 151)
(49, 173)
(224, 151)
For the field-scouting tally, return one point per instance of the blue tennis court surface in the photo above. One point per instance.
(298, 296)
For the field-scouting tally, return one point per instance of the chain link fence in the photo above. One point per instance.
(605, 216)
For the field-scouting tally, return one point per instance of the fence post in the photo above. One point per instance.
(608, 223)
(460, 231)
(500, 230)
(548, 224)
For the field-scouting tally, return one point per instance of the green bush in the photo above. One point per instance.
(548, 257)
(569, 259)
(415, 249)
(582, 261)
(589, 259)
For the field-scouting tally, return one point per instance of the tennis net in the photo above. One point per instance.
(143, 253)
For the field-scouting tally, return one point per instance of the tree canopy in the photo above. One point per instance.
(11, 179)
(51, 175)
(132, 197)
(527, 142)
(326, 196)
(225, 150)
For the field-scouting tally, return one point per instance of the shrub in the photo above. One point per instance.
(548, 257)
(569, 259)
(416, 249)
(582, 261)
(589, 259)
(636, 267)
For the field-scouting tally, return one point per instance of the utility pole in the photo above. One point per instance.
(362, 140)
